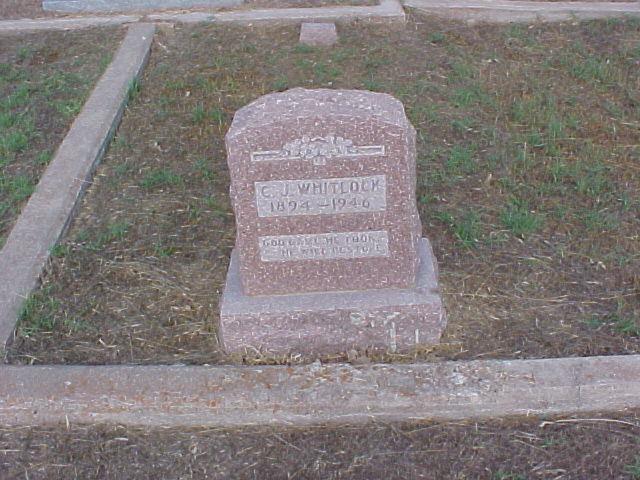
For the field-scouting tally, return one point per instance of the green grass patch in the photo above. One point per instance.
(520, 219)
(201, 115)
(159, 178)
(38, 313)
(16, 189)
(633, 469)
(622, 324)
(113, 232)
(461, 160)
(465, 226)
(598, 220)
(469, 95)
(162, 250)
(133, 90)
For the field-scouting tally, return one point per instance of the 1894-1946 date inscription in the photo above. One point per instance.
(323, 196)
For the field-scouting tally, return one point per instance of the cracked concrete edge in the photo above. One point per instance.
(49, 210)
(390, 11)
(523, 11)
(29, 25)
(231, 396)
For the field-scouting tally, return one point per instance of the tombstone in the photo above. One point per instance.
(329, 251)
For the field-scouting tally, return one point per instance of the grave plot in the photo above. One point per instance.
(601, 446)
(44, 81)
(527, 188)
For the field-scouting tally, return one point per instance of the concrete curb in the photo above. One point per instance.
(50, 208)
(182, 396)
(387, 11)
(27, 25)
(112, 6)
(506, 11)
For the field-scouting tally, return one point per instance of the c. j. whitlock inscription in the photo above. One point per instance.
(324, 246)
(321, 196)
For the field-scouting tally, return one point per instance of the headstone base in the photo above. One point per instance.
(389, 320)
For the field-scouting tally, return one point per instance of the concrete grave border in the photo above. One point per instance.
(225, 396)
(241, 395)
(73, 23)
(506, 11)
(114, 6)
(388, 11)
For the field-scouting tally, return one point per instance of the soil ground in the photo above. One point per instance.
(44, 80)
(528, 148)
(593, 447)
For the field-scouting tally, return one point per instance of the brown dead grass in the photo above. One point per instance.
(528, 147)
(591, 447)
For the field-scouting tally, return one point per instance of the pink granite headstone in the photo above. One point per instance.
(329, 254)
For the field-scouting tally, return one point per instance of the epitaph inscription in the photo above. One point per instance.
(324, 246)
(321, 196)
(318, 150)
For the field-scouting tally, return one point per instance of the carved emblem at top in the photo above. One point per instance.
(317, 150)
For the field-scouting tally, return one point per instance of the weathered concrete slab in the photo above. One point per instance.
(318, 34)
(46, 215)
(389, 11)
(506, 11)
(336, 393)
(112, 6)
(27, 25)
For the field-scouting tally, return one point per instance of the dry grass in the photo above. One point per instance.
(592, 447)
(528, 148)
(13, 9)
